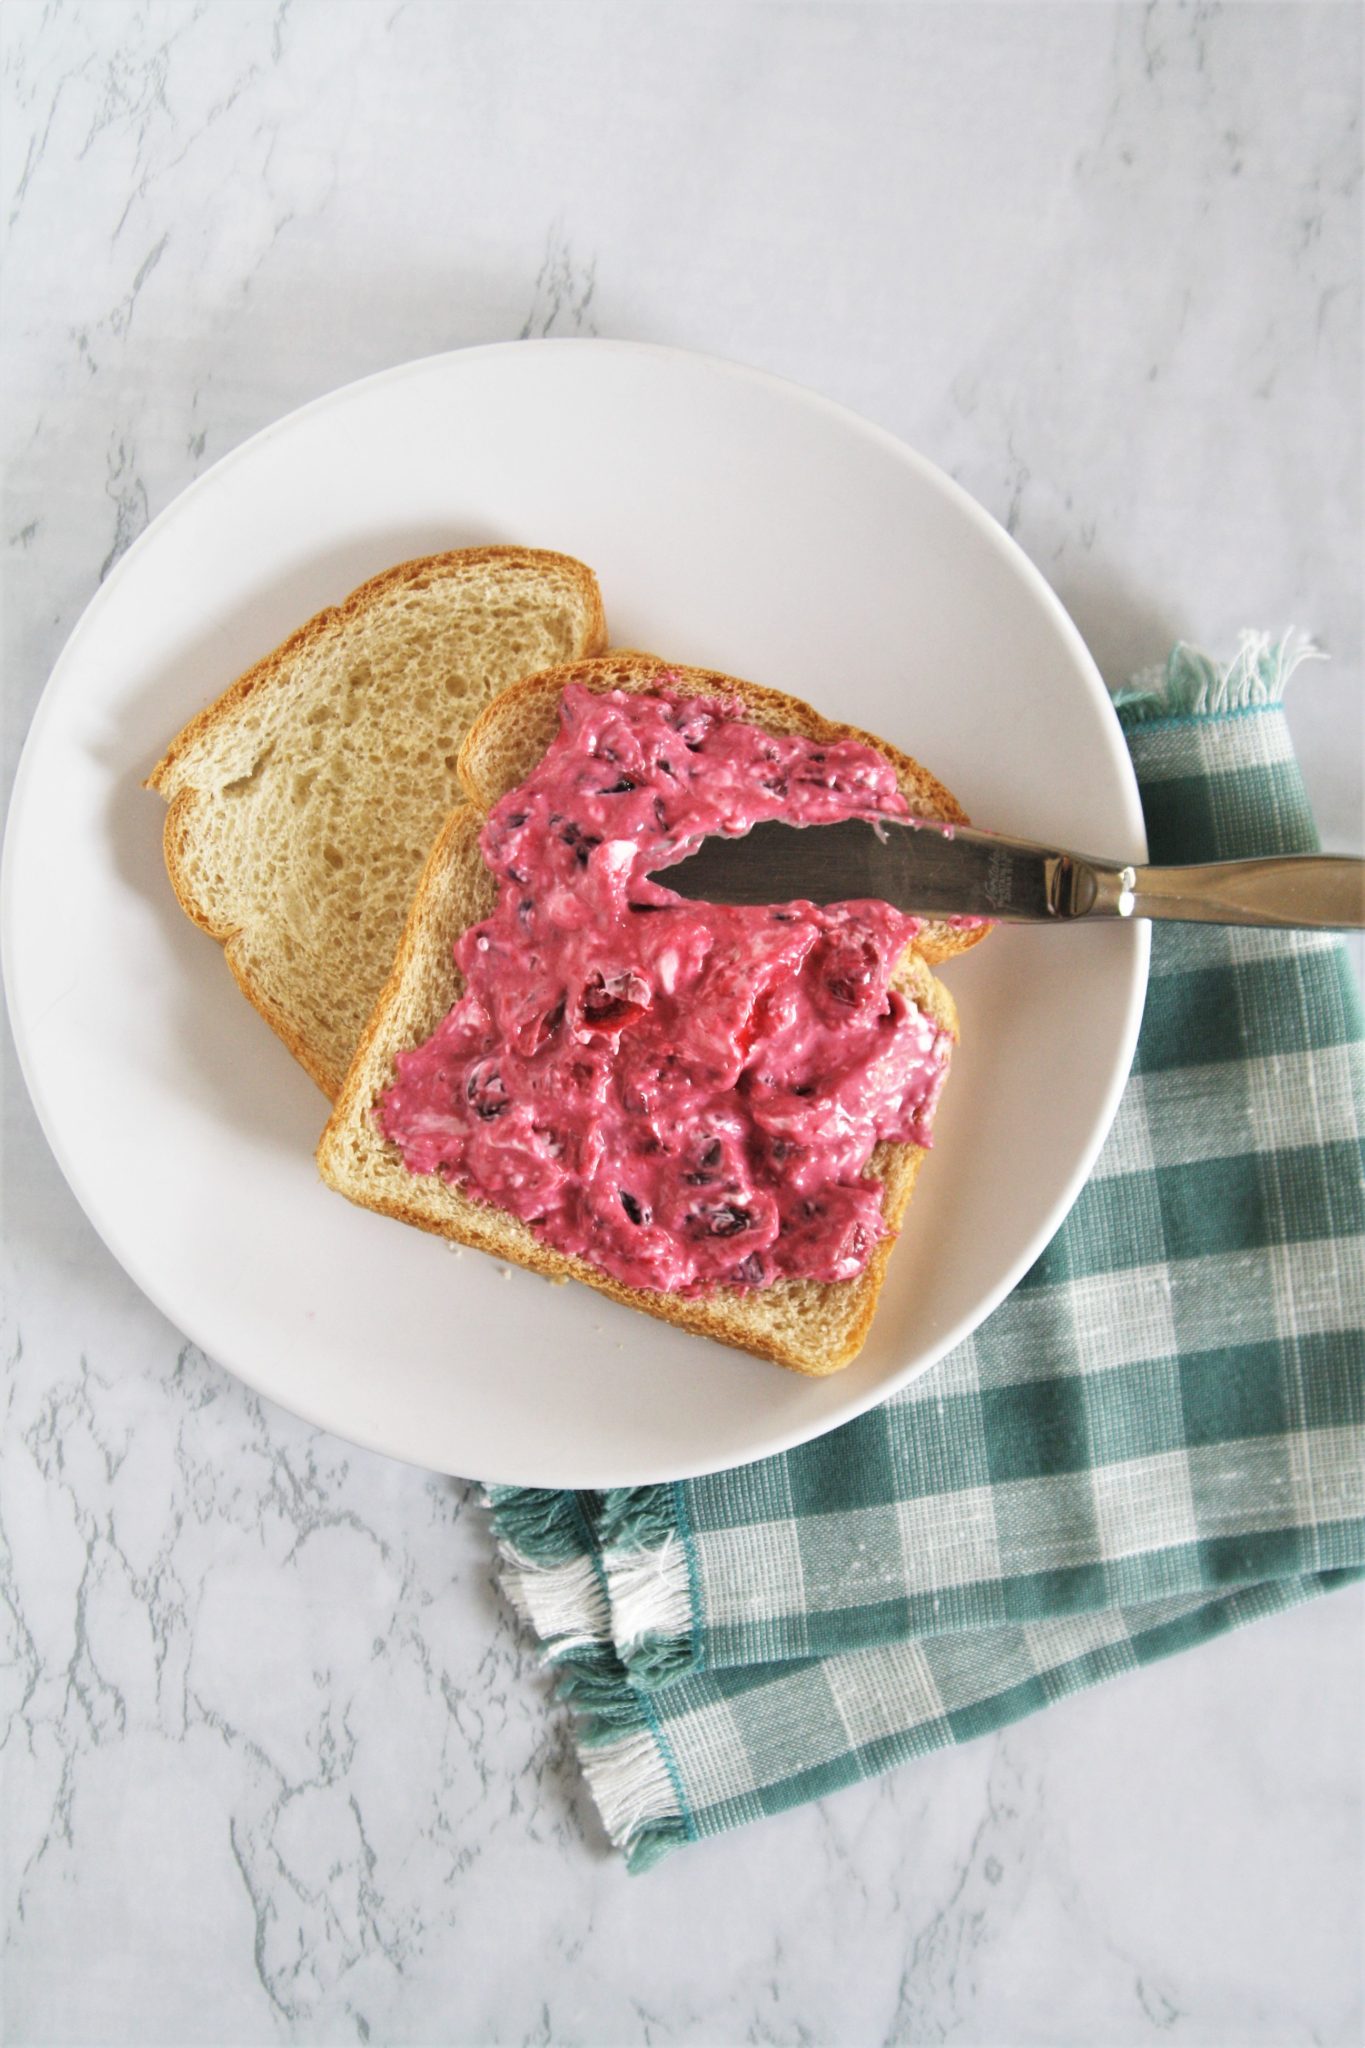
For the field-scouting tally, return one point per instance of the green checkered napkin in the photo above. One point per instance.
(1160, 1434)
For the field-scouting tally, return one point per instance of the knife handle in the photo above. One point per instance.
(1317, 891)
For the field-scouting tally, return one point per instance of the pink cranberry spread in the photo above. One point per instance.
(686, 1095)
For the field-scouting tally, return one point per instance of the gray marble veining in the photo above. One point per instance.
(275, 1764)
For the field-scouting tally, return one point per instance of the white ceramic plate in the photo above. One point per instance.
(735, 522)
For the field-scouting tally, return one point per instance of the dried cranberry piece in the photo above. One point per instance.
(486, 1091)
(692, 726)
(708, 1161)
(597, 1004)
(848, 968)
(721, 1219)
(607, 999)
(550, 1024)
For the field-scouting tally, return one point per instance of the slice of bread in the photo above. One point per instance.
(305, 800)
(811, 1326)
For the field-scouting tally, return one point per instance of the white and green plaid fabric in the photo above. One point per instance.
(1160, 1434)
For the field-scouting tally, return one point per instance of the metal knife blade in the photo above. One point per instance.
(951, 871)
(926, 869)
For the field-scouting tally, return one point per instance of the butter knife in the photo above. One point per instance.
(933, 871)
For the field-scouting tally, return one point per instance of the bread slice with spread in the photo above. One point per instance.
(812, 1326)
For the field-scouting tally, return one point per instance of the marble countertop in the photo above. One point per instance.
(276, 1766)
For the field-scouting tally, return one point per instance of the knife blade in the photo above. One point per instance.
(927, 869)
(932, 870)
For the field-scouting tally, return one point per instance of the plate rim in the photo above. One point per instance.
(976, 515)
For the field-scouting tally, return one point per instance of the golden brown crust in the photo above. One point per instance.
(444, 1211)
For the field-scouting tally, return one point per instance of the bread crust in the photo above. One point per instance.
(380, 1181)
